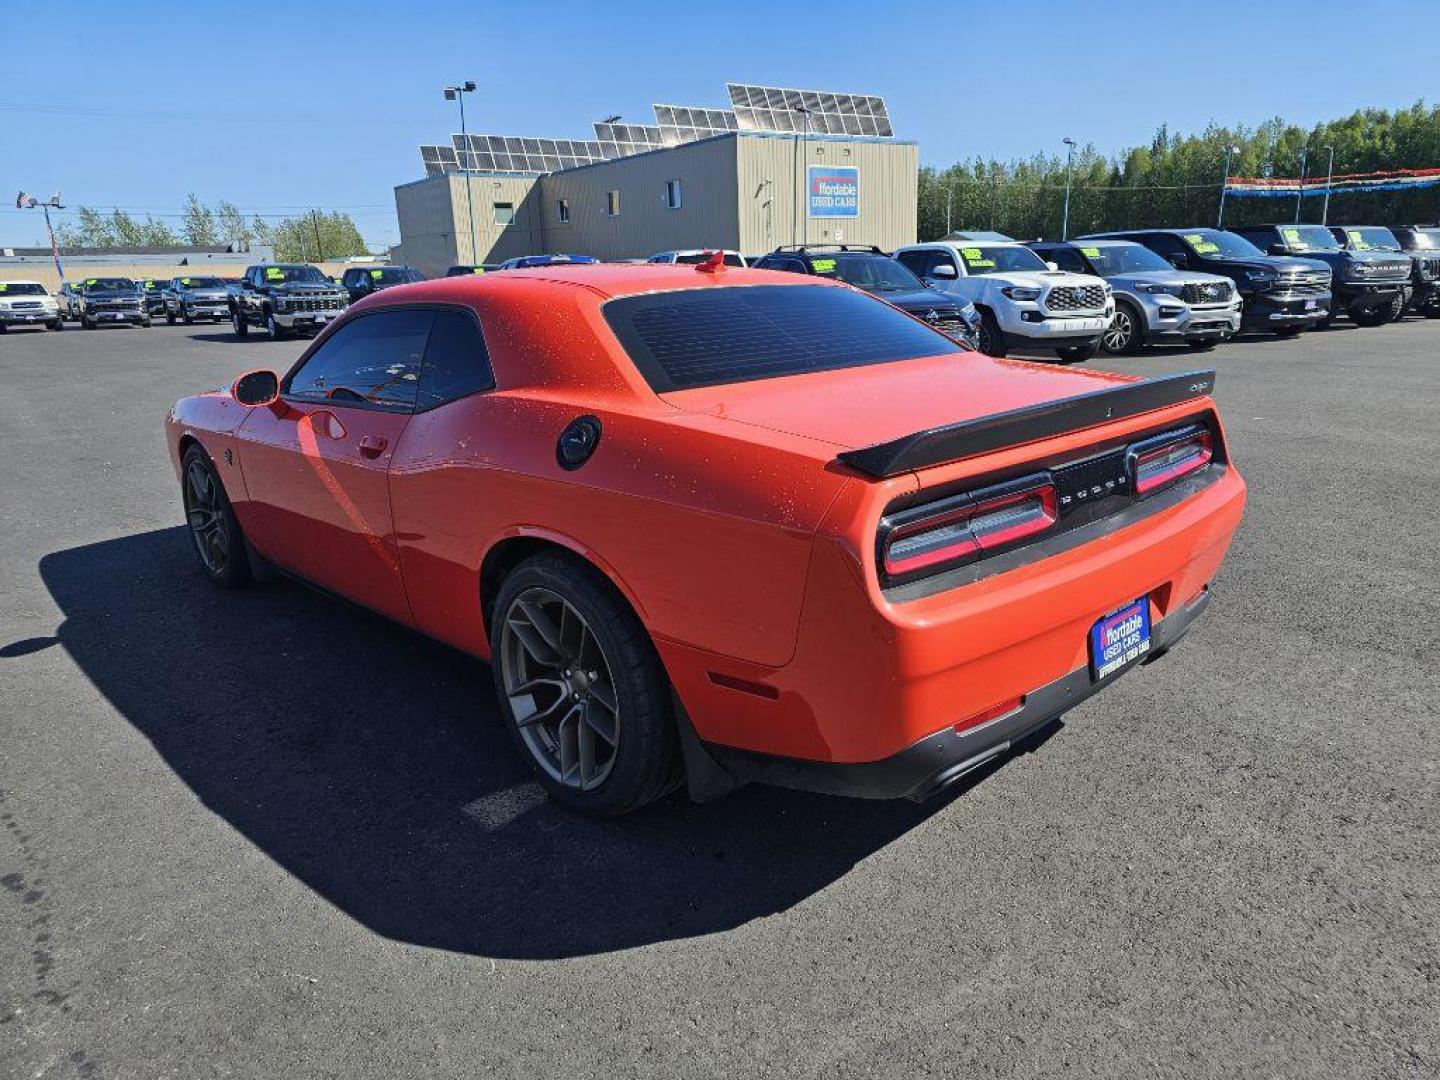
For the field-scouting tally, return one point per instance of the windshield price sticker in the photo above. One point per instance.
(274, 273)
(4, 287)
(1357, 239)
(377, 274)
(823, 266)
(1292, 236)
(92, 281)
(1200, 244)
(1090, 252)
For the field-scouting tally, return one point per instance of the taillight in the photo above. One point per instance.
(961, 528)
(1166, 458)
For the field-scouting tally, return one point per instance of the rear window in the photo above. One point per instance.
(708, 337)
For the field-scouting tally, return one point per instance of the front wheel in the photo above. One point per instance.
(1202, 344)
(1375, 316)
(989, 339)
(1290, 331)
(1075, 354)
(273, 330)
(238, 323)
(86, 324)
(58, 324)
(1124, 333)
(581, 688)
(214, 529)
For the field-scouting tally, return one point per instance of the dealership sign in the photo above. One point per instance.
(834, 191)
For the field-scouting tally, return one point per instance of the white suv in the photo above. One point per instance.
(27, 303)
(1023, 301)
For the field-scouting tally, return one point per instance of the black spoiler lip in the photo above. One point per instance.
(952, 442)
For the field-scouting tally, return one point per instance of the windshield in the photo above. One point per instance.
(152, 285)
(392, 275)
(277, 275)
(1224, 244)
(109, 284)
(1127, 258)
(1309, 238)
(1370, 238)
(693, 258)
(873, 273)
(20, 288)
(1000, 260)
(201, 283)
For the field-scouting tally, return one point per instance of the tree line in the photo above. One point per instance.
(306, 237)
(1174, 181)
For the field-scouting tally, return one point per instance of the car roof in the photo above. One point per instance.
(21, 281)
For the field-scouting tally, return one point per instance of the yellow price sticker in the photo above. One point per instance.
(184, 281)
(981, 262)
(1357, 240)
(274, 273)
(4, 286)
(1292, 236)
(377, 274)
(477, 269)
(823, 266)
(1200, 244)
(1090, 252)
(92, 281)
(970, 253)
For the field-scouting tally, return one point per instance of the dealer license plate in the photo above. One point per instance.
(1120, 638)
(1311, 305)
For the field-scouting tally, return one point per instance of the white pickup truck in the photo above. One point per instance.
(1023, 301)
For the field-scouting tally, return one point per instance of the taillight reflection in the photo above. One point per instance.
(1163, 460)
(961, 528)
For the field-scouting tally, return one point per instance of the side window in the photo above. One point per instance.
(795, 266)
(764, 263)
(373, 359)
(922, 263)
(1066, 259)
(1166, 245)
(456, 361)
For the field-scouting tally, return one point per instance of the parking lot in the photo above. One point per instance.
(263, 833)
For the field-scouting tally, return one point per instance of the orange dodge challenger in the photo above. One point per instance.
(712, 525)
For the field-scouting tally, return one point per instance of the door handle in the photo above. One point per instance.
(372, 446)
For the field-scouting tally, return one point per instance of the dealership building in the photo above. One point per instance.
(778, 167)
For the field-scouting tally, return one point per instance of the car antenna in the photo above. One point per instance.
(714, 261)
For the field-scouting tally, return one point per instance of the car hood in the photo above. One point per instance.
(1166, 277)
(899, 398)
(1041, 279)
(919, 301)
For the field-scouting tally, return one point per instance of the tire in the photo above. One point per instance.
(1202, 345)
(273, 330)
(58, 324)
(189, 319)
(238, 323)
(147, 323)
(86, 324)
(989, 339)
(1126, 333)
(214, 530)
(559, 620)
(1376, 316)
(1291, 331)
(4, 328)
(1075, 354)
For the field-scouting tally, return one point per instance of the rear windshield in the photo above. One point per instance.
(692, 258)
(708, 337)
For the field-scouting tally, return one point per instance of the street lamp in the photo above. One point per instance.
(1329, 173)
(1300, 195)
(457, 93)
(1065, 221)
(805, 209)
(1225, 186)
(29, 202)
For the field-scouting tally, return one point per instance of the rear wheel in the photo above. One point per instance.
(581, 688)
(214, 530)
(989, 339)
(1125, 331)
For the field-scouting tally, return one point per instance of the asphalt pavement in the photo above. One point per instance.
(264, 834)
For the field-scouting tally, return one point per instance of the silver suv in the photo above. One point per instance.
(1155, 304)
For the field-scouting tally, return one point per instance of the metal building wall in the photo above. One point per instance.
(707, 216)
(435, 220)
(771, 171)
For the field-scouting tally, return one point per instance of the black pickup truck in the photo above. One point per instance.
(1369, 286)
(1279, 294)
(283, 299)
(1420, 242)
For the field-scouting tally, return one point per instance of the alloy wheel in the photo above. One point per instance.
(204, 512)
(560, 689)
(1120, 332)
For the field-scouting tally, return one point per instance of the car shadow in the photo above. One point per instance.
(368, 762)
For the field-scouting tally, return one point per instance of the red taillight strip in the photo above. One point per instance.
(1169, 457)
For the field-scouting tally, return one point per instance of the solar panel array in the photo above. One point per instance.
(769, 108)
(757, 108)
(683, 123)
(622, 140)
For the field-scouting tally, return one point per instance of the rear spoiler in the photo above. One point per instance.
(955, 441)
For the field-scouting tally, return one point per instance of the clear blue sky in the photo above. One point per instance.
(281, 107)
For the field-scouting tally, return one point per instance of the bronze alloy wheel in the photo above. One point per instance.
(205, 514)
(560, 689)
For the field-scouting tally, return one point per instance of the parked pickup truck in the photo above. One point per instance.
(284, 299)
(360, 281)
(1281, 295)
(1155, 304)
(1419, 242)
(110, 300)
(1023, 301)
(1369, 286)
(191, 298)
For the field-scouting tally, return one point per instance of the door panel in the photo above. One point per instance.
(317, 478)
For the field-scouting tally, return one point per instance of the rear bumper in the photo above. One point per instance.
(939, 760)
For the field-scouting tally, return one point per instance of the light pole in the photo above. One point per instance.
(457, 93)
(29, 202)
(805, 203)
(1329, 174)
(949, 197)
(1225, 186)
(1300, 195)
(1065, 220)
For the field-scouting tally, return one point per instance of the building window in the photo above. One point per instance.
(504, 213)
(612, 203)
(672, 194)
(562, 210)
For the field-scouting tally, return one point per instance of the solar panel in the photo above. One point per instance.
(687, 123)
(769, 108)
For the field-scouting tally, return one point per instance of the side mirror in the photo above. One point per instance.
(944, 271)
(1176, 260)
(256, 388)
(1051, 265)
